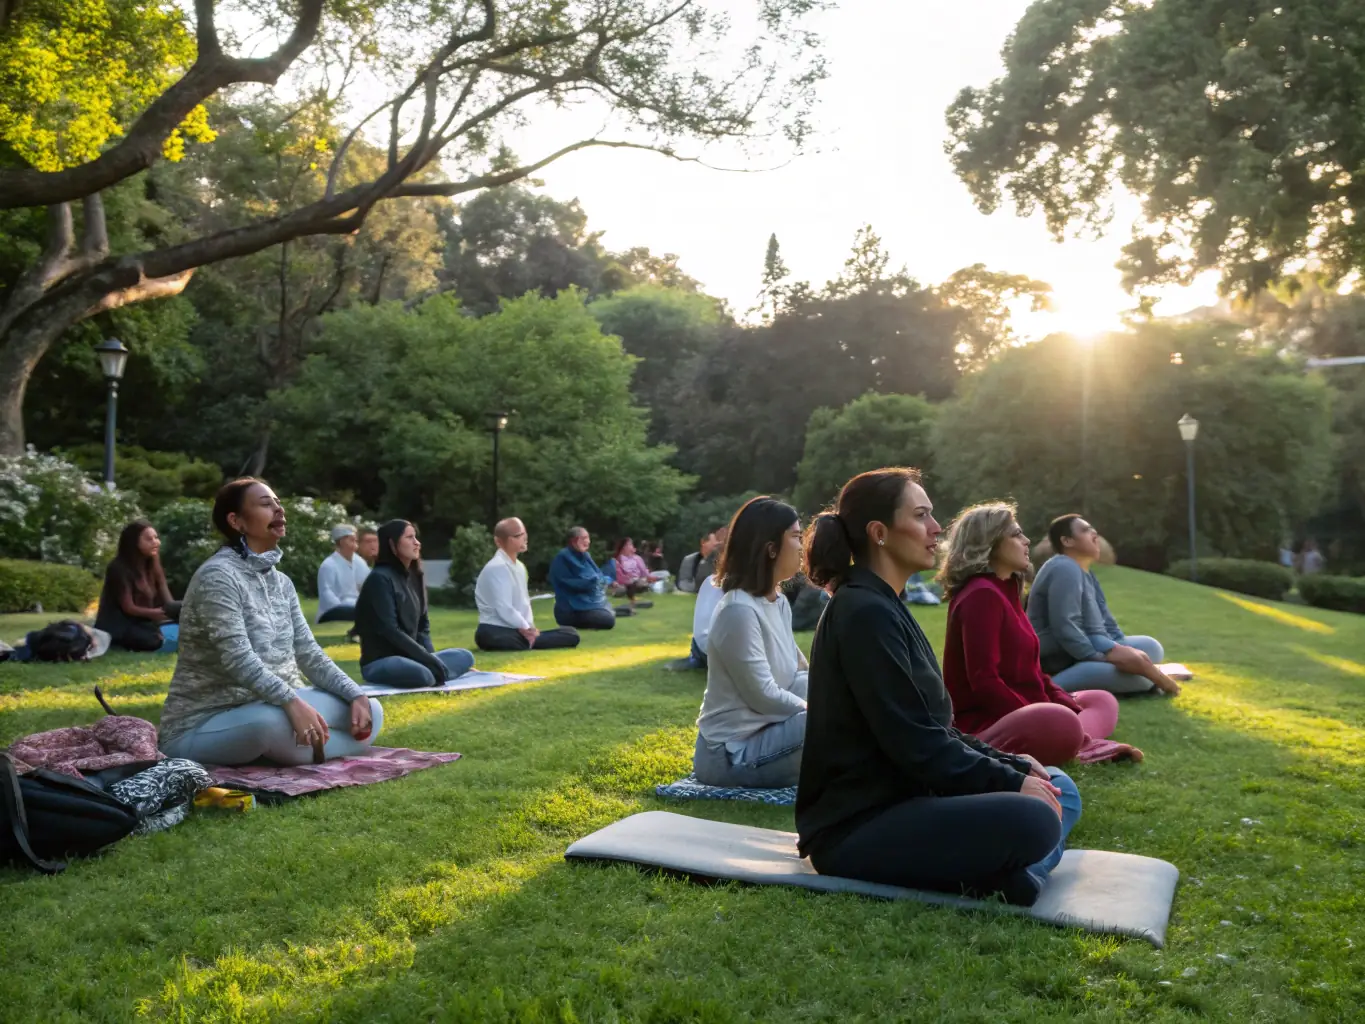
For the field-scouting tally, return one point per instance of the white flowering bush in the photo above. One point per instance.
(50, 511)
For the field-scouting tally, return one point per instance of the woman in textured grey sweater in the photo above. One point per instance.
(238, 694)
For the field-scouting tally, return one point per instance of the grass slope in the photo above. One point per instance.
(444, 897)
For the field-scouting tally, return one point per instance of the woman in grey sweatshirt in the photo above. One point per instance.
(238, 694)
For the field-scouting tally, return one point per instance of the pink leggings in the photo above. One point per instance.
(1052, 733)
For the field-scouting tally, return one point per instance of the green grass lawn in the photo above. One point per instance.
(444, 897)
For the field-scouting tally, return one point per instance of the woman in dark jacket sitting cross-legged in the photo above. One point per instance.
(391, 619)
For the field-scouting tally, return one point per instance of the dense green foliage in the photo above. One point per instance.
(1023, 429)
(25, 585)
(392, 405)
(1243, 575)
(870, 432)
(156, 478)
(1235, 121)
(1342, 593)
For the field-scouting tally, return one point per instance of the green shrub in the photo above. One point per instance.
(157, 478)
(187, 538)
(1340, 593)
(470, 549)
(1243, 575)
(57, 588)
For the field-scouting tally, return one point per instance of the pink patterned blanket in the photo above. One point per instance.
(112, 741)
(380, 765)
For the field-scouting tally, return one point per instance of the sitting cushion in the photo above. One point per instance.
(1097, 891)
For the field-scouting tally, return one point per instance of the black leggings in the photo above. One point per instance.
(590, 618)
(505, 638)
(974, 845)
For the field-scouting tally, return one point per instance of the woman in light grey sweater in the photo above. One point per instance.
(753, 717)
(237, 695)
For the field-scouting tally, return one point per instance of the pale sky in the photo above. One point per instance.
(895, 65)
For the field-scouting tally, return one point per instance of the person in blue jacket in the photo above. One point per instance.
(580, 586)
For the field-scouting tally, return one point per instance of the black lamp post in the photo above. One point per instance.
(1189, 430)
(113, 358)
(497, 422)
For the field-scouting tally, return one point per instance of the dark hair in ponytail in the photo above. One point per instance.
(837, 537)
(230, 499)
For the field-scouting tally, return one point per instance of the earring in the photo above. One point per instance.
(881, 543)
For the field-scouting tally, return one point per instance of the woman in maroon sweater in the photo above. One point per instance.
(990, 659)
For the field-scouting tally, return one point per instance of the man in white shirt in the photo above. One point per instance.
(506, 622)
(338, 588)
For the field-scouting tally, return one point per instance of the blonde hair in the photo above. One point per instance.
(970, 542)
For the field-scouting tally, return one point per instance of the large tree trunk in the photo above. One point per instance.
(53, 296)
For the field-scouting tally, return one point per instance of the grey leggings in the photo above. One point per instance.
(771, 758)
(261, 732)
(1100, 675)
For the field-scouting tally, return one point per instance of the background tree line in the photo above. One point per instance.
(356, 361)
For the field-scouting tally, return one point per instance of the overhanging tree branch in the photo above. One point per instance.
(141, 146)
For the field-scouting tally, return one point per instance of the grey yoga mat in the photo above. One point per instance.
(1097, 891)
(468, 681)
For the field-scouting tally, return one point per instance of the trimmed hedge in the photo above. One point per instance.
(1340, 593)
(1243, 575)
(58, 588)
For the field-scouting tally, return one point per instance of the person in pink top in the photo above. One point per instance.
(632, 573)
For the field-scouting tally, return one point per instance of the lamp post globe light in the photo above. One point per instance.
(113, 356)
(497, 423)
(1189, 430)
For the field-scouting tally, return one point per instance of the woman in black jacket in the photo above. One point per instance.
(391, 618)
(890, 792)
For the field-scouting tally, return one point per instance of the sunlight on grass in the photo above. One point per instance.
(1352, 668)
(292, 977)
(1331, 738)
(1278, 614)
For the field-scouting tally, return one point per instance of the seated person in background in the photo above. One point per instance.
(688, 578)
(707, 566)
(708, 596)
(237, 694)
(654, 556)
(753, 716)
(580, 586)
(391, 618)
(136, 608)
(506, 621)
(918, 592)
(338, 579)
(990, 659)
(807, 606)
(890, 791)
(632, 576)
(1081, 645)
(368, 550)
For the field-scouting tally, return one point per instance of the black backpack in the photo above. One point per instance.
(46, 816)
(67, 640)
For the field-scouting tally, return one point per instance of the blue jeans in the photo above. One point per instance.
(1071, 813)
(1100, 675)
(170, 639)
(771, 758)
(696, 655)
(410, 675)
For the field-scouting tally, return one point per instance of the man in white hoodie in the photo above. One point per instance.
(338, 578)
(506, 621)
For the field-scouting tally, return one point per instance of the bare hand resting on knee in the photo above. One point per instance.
(1045, 791)
(361, 721)
(1136, 663)
(307, 724)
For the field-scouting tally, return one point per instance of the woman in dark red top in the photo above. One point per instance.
(990, 659)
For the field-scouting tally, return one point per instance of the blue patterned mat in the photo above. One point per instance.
(690, 789)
